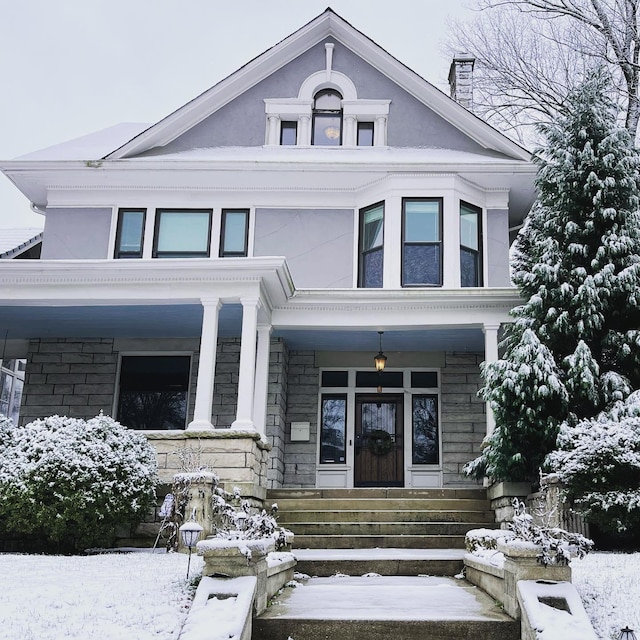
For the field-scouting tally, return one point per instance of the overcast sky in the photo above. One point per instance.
(70, 67)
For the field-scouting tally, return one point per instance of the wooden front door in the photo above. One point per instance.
(378, 460)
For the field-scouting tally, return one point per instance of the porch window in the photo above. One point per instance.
(130, 233)
(421, 242)
(153, 392)
(470, 245)
(371, 246)
(333, 429)
(426, 449)
(235, 233)
(11, 385)
(182, 233)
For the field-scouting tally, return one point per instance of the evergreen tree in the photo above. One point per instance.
(577, 265)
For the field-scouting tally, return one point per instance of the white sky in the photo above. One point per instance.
(70, 67)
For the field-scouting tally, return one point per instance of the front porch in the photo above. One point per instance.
(238, 350)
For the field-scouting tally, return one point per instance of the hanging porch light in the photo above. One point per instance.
(380, 360)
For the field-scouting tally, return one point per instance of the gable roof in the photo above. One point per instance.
(13, 242)
(327, 24)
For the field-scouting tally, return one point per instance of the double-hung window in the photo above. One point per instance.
(371, 246)
(421, 242)
(234, 233)
(182, 233)
(470, 245)
(130, 233)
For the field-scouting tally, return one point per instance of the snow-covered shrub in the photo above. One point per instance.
(71, 482)
(599, 462)
(485, 539)
(556, 545)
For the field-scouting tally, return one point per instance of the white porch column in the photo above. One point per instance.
(206, 365)
(490, 355)
(262, 378)
(244, 413)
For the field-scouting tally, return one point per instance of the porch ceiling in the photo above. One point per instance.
(185, 320)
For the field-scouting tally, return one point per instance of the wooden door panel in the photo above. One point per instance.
(379, 441)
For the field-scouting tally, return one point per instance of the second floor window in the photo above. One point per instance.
(365, 134)
(130, 233)
(327, 118)
(470, 245)
(235, 233)
(182, 233)
(288, 133)
(371, 246)
(421, 242)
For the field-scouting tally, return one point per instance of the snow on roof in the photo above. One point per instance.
(329, 154)
(15, 241)
(91, 146)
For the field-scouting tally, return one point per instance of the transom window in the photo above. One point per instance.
(371, 246)
(182, 233)
(470, 245)
(327, 118)
(421, 242)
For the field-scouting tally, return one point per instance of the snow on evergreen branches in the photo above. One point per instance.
(577, 265)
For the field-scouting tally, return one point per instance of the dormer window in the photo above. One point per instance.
(327, 118)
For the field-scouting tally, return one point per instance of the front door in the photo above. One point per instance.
(378, 451)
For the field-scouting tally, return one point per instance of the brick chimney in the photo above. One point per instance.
(461, 79)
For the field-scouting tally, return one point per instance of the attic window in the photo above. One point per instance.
(327, 119)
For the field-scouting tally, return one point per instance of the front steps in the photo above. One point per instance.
(382, 563)
(387, 518)
(380, 608)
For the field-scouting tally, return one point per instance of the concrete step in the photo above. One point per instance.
(386, 562)
(407, 515)
(379, 608)
(379, 541)
(381, 528)
(378, 492)
(380, 504)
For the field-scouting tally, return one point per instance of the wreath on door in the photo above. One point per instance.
(380, 442)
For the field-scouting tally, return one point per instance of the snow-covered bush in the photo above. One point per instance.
(555, 546)
(599, 462)
(71, 482)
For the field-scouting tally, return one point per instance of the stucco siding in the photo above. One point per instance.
(76, 234)
(318, 244)
(498, 248)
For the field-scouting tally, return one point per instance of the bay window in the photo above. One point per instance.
(470, 245)
(421, 242)
(371, 246)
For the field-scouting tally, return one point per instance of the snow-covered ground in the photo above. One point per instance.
(140, 596)
(133, 596)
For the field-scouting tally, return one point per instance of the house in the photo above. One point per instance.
(224, 278)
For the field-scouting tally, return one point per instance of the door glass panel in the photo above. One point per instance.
(425, 429)
(378, 416)
(332, 437)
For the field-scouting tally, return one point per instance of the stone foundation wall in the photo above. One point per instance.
(71, 377)
(304, 382)
(463, 419)
(239, 458)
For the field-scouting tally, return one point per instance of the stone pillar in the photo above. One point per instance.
(246, 387)
(490, 355)
(206, 365)
(262, 379)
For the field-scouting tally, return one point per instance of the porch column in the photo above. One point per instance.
(244, 414)
(206, 365)
(490, 355)
(262, 378)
